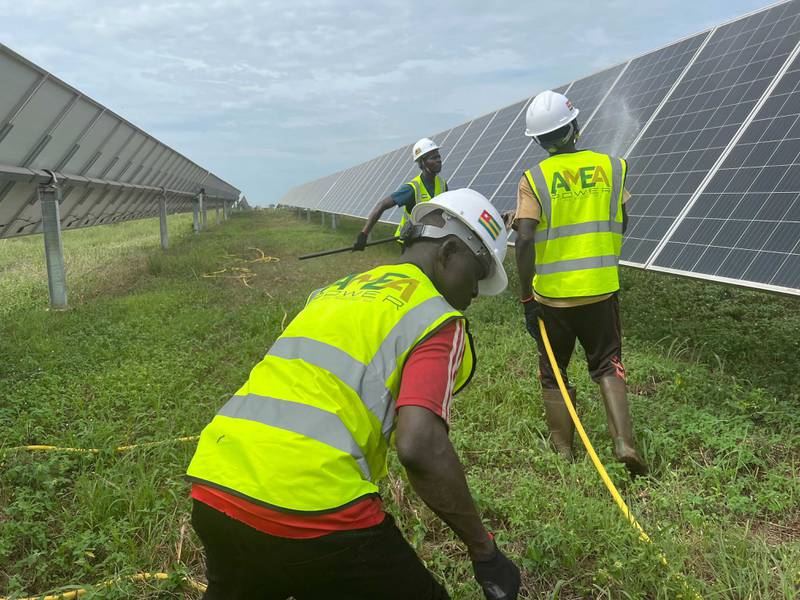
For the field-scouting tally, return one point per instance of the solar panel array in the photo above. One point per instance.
(710, 126)
(108, 169)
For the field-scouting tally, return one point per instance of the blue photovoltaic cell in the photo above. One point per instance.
(746, 223)
(636, 95)
(459, 151)
(494, 132)
(509, 149)
(700, 118)
(362, 192)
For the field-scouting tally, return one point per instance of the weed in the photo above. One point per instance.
(151, 349)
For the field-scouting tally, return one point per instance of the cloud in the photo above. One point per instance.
(290, 91)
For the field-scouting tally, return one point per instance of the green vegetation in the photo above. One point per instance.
(152, 347)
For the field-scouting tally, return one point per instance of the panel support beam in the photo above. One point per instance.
(333, 221)
(196, 215)
(162, 212)
(203, 210)
(49, 198)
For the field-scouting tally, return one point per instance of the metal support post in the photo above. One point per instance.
(333, 221)
(216, 215)
(203, 209)
(225, 210)
(162, 206)
(323, 218)
(196, 214)
(308, 215)
(49, 198)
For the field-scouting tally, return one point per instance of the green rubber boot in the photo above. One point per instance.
(562, 429)
(618, 413)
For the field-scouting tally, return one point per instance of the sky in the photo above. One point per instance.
(269, 95)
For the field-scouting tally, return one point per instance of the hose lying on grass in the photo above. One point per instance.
(243, 274)
(77, 593)
(43, 448)
(599, 465)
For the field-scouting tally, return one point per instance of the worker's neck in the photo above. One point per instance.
(569, 148)
(421, 256)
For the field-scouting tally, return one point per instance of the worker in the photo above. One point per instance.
(285, 494)
(569, 220)
(422, 188)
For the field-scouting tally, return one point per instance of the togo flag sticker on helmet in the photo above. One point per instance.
(470, 216)
(489, 224)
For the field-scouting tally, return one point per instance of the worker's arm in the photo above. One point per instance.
(380, 207)
(526, 255)
(626, 195)
(624, 219)
(436, 474)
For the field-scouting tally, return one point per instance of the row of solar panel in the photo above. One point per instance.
(710, 126)
(111, 169)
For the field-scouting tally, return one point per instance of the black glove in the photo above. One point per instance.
(533, 311)
(361, 242)
(498, 576)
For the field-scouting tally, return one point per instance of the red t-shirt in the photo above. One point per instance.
(428, 380)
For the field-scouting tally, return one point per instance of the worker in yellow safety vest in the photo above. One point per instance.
(285, 477)
(569, 220)
(422, 188)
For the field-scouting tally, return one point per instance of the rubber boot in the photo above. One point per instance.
(562, 429)
(615, 398)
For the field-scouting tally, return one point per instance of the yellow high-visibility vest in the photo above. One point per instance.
(579, 237)
(310, 429)
(421, 194)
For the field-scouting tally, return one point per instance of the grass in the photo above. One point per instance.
(153, 346)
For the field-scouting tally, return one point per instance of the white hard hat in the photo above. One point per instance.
(547, 112)
(467, 213)
(422, 147)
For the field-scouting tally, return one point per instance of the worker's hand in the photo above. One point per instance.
(498, 576)
(533, 311)
(509, 218)
(361, 242)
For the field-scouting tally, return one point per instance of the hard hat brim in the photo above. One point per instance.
(535, 133)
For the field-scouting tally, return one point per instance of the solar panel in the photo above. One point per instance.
(745, 225)
(371, 190)
(99, 157)
(452, 162)
(638, 93)
(699, 119)
(355, 194)
(484, 146)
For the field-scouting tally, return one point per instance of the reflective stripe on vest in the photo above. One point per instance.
(579, 236)
(310, 429)
(367, 381)
(308, 421)
(421, 194)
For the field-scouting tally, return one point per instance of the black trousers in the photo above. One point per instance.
(374, 563)
(596, 326)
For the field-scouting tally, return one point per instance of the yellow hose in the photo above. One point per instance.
(593, 455)
(70, 595)
(43, 448)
